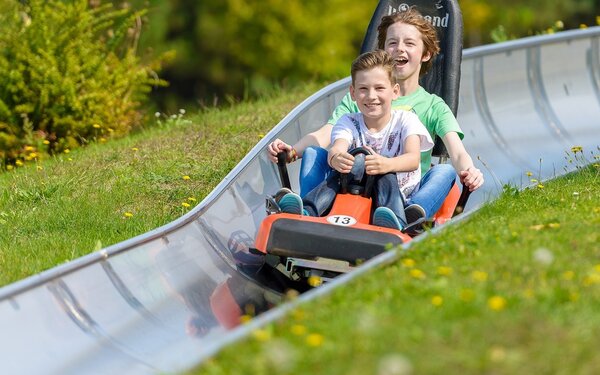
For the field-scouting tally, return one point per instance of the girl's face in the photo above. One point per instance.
(404, 43)
(373, 92)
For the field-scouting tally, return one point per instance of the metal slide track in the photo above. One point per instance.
(162, 301)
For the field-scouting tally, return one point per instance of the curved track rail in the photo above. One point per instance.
(163, 301)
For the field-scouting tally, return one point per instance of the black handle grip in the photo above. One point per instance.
(462, 200)
(283, 172)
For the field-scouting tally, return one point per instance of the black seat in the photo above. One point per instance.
(443, 79)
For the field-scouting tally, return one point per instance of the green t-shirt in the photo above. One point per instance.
(433, 112)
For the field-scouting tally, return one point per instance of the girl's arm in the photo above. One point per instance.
(462, 162)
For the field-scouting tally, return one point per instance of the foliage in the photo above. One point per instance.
(69, 75)
(499, 20)
(242, 48)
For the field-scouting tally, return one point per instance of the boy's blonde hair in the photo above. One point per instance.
(373, 59)
(428, 33)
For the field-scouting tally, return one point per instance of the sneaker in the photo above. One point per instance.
(281, 193)
(413, 213)
(384, 217)
(291, 203)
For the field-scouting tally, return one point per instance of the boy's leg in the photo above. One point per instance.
(435, 186)
(387, 194)
(320, 199)
(313, 169)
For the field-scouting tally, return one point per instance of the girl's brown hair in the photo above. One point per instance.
(412, 17)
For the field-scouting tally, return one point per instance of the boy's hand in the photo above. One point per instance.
(376, 164)
(471, 178)
(341, 162)
(276, 147)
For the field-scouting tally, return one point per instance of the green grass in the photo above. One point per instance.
(76, 203)
(513, 290)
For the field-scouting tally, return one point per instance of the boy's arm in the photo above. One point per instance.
(406, 162)
(462, 162)
(338, 157)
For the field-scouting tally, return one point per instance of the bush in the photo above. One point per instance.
(69, 75)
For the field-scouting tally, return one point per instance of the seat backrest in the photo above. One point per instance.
(443, 79)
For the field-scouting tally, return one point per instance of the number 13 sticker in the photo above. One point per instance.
(342, 220)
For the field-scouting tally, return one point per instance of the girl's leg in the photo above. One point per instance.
(313, 169)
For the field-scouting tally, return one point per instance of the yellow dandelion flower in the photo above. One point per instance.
(110, 130)
(261, 335)
(529, 174)
(134, 149)
(39, 167)
(46, 142)
(102, 140)
(19, 163)
(576, 149)
(29, 148)
(9, 167)
(466, 295)
(417, 273)
(528, 293)
(497, 303)
(437, 301)
(185, 204)
(315, 339)
(554, 225)
(533, 180)
(598, 20)
(444, 271)
(559, 24)
(245, 318)
(66, 150)
(407, 262)
(33, 155)
(186, 177)
(596, 165)
(591, 279)
(298, 314)
(96, 126)
(597, 268)
(315, 281)
(540, 186)
(582, 26)
(69, 159)
(298, 329)
(261, 136)
(191, 199)
(568, 275)
(128, 214)
(479, 276)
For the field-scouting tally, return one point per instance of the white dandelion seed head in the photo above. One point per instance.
(394, 364)
(543, 256)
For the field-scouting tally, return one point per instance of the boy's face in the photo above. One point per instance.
(373, 92)
(405, 44)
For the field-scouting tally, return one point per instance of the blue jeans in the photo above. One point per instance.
(385, 191)
(313, 169)
(434, 188)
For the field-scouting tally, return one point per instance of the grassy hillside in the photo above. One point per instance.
(87, 199)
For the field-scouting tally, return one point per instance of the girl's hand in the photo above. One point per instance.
(276, 147)
(472, 178)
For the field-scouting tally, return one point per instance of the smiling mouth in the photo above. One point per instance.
(401, 61)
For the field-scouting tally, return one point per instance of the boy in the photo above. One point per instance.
(395, 138)
(412, 42)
